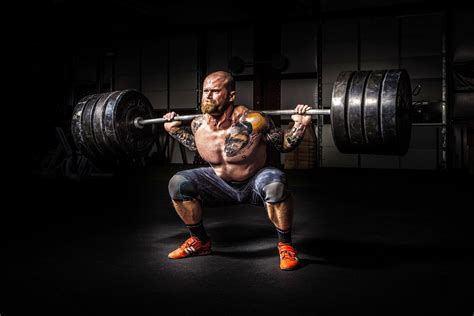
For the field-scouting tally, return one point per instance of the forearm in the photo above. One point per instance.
(184, 136)
(288, 139)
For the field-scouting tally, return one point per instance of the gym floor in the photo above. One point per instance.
(376, 242)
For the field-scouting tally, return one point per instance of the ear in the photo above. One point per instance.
(232, 96)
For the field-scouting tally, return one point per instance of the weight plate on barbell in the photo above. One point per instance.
(120, 112)
(370, 112)
(102, 141)
(355, 109)
(87, 123)
(405, 112)
(81, 127)
(339, 126)
(76, 124)
(395, 103)
(372, 135)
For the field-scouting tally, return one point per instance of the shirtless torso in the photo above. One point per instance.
(233, 139)
(236, 147)
(237, 150)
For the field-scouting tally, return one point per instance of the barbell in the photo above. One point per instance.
(370, 113)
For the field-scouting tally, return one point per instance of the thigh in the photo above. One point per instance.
(263, 178)
(213, 191)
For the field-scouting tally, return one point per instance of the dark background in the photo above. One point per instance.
(377, 235)
(164, 50)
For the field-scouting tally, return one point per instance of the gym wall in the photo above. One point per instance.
(166, 66)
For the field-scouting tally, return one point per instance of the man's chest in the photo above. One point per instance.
(238, 137)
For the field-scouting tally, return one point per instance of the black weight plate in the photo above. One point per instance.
(355, 105)
(339, 124)
(373, 137)
(121, 110)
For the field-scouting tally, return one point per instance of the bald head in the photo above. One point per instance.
(224, 77)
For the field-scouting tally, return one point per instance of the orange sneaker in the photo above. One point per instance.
(191, 247)
(288, 258)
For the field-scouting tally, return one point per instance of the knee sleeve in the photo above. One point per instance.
(275, 192)
(181, 189)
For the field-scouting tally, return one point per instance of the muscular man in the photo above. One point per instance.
(233, 140)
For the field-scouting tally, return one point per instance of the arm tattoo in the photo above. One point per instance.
(185, 137)
(196, 123)
(286, 140)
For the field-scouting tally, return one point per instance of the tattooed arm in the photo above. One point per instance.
(183, 134)
(287, 140)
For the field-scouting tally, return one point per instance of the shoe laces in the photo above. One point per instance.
(190, 242)
(288, 254)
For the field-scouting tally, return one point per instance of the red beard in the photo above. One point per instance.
(209, 106)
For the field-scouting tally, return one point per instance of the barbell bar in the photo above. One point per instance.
(139, 122)
(370, 113)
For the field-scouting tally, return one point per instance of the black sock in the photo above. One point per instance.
(284, 236)
(198, 231)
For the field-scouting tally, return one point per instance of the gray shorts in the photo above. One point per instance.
(267, 185)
